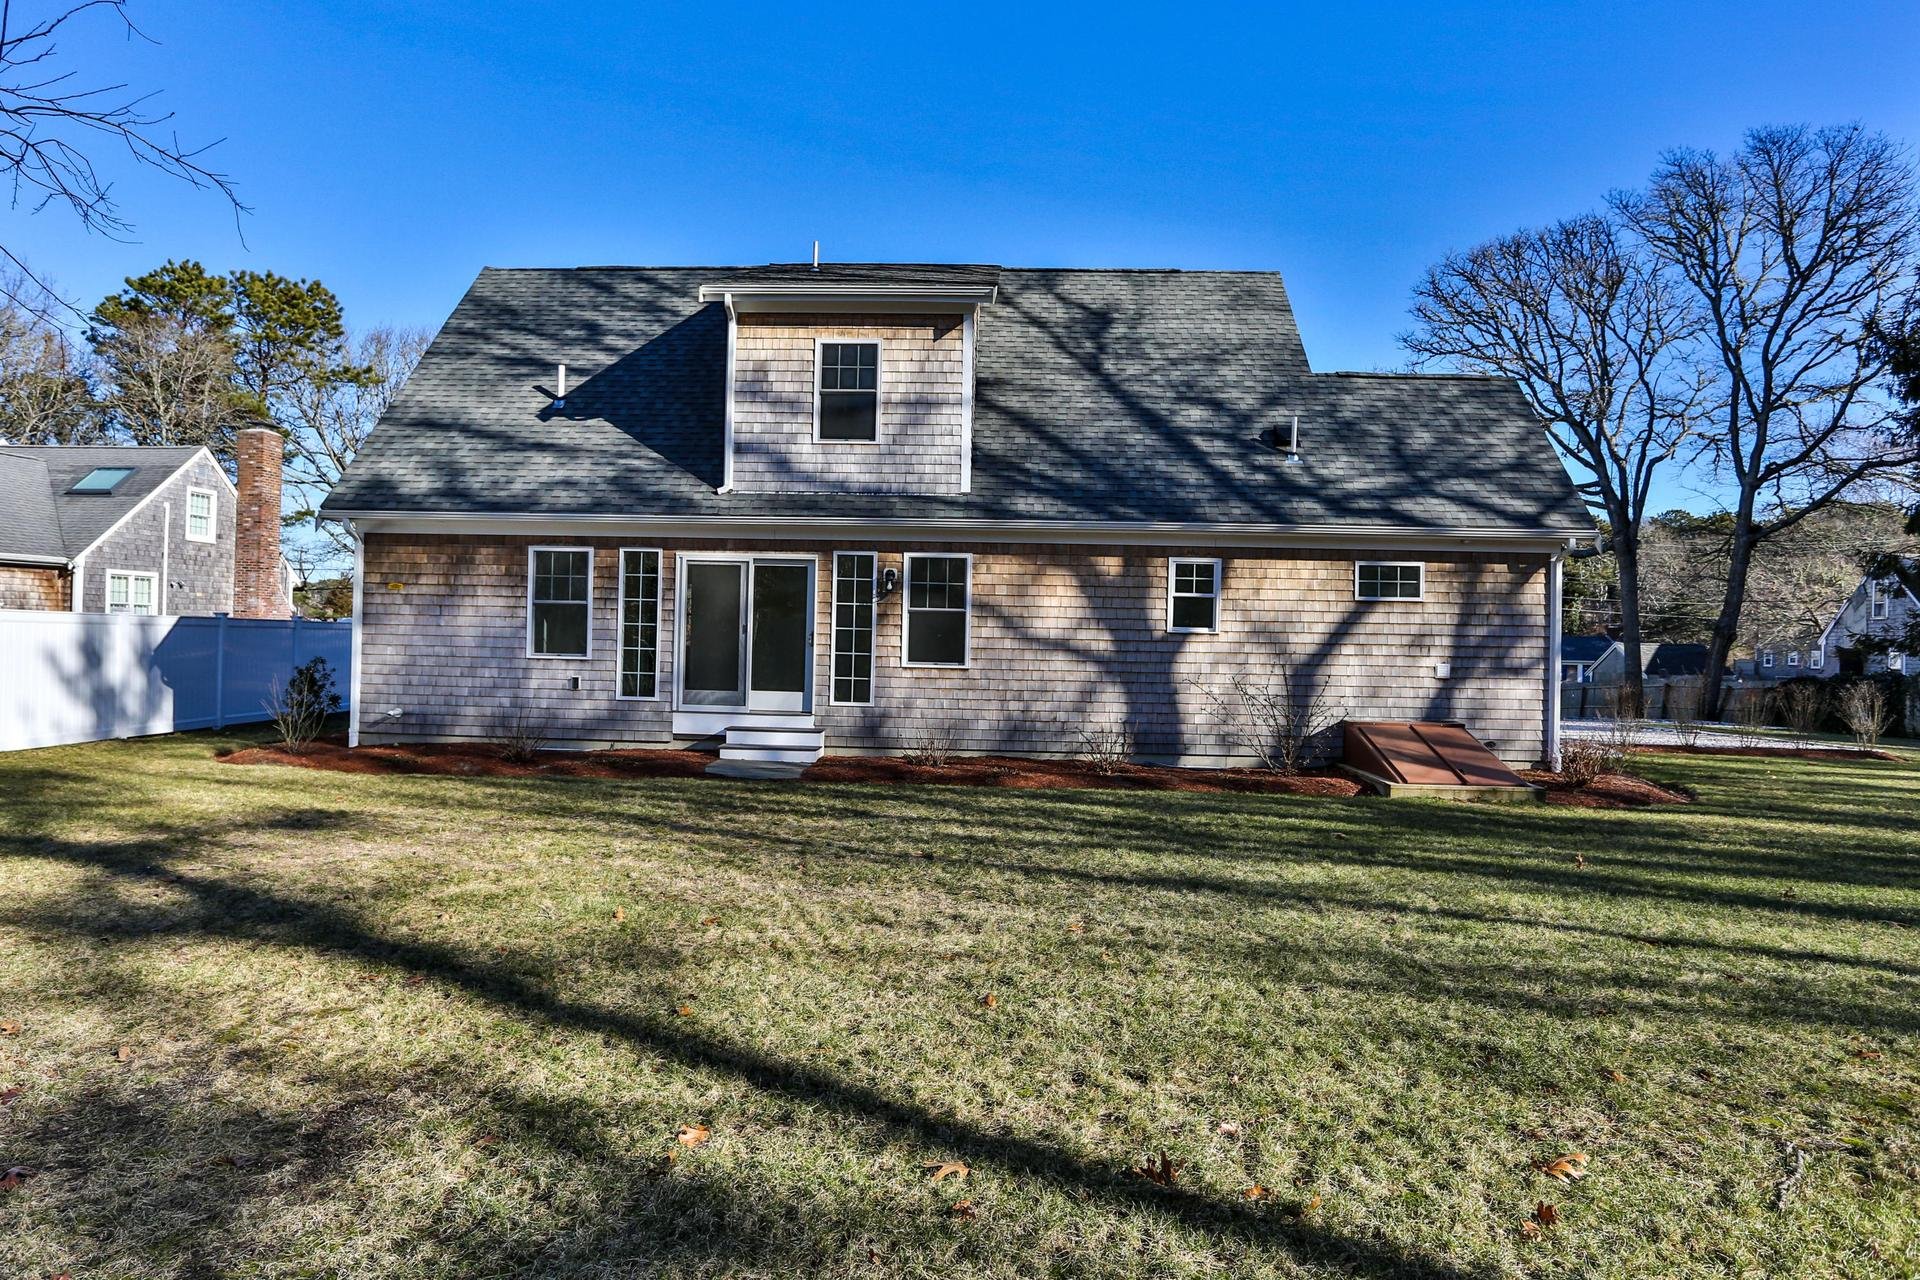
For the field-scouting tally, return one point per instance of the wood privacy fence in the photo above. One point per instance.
(81, 677)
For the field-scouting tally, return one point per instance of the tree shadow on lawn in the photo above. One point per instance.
(241, 912)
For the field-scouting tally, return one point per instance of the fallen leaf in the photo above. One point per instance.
(486, 1140)
(1579, 860)
(619, 913)
(1306, 1207)
(1227, 1129)
(1076, 927)
(1530, 1230)
(414, 980)
(1568, 1168)
(9, 1028)
(965, 1209)
(1163, 1174)
(8, 1094)
(14, 1177)
(710, 921)
(1867, 1053)
(944, 1169)
(989, 1000)
(1615, 1074)
(1545, 1214)
(1257, 1192)
(685, 1011)
(692, 1135)
(124, 1053)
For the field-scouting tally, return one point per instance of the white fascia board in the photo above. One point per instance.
(1544, 541)
(804, 297)
(38, 562)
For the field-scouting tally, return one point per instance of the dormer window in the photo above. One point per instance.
(847, 398)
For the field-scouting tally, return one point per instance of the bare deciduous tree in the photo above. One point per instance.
(1593, 331)
(170, 384)
(1790, 249)
(45, 396)
(332, 419)
(53, 124)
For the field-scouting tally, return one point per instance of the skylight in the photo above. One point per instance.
(101, 480)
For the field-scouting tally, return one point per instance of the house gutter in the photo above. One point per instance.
(1078, 531)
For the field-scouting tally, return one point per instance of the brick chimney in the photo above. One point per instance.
(256, 526)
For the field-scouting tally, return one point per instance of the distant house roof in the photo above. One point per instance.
(1677, 660)
(42, 519)
(1584, 648)
(1100, 396)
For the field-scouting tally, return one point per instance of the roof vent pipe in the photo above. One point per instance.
(816, 255)
(1287, 438)
(560, 397)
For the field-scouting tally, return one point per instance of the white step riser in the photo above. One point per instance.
(775, 755)
(798, 740)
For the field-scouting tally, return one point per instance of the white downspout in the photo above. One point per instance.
(79, 585)
(733, 325)
(166, 554)
(1551, 736)
(966, 413)
(359, 633)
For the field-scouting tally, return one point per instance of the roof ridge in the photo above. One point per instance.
(1412, 375)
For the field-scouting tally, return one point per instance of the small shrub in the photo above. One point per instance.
(523, 735)
(1275, 718)
(1106, 748)
(1803, 705)
(1866, 711)
(1753, 712)
(1584, 759)
(1683, 710)
(930, 747)
(300, 707)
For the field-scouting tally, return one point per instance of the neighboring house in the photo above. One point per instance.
(871, 507)
(1580, 655)
(1864, 637)
(124, 529)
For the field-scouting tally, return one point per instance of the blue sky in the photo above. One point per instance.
(392, 149)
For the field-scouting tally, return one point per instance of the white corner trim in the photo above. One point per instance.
(359, 633)
(733, 335)
(1550, 735)
(966, 409)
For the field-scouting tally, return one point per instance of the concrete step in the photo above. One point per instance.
(792, 737)
(757, 770)
(802, 756)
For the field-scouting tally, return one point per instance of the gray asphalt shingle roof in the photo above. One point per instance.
(1140, 396)
(39, 517)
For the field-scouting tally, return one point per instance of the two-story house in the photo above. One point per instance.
(1868, 633)
(865, 507)
(142, 530)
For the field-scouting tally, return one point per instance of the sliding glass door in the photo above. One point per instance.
(747, 632)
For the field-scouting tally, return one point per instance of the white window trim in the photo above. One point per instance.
(879, 386)
(1896, 661)
(1219, 582)
(620, 620)
(833, 622)
(1879, 605)
(1766, 659)
(1818, 659)
(213, 515)
(1421, 565)
(1793, 658)
(906, 609)
(106, 590)
(560, 657)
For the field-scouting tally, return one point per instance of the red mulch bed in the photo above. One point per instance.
(1015, 771)
(1789, 753)
(479, 760)
(484, 760)
(1608, 791)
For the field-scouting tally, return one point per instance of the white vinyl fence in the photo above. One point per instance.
(81, 677)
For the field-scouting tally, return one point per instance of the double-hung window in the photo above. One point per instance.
(1385, 580)
(639, 623)
(853, 573)
(848, 393)
(1877, 601)
(200, 514)
(559, 592)
(937, 616)
(1766, 659)
(132, 592)
(1793, 658)
(1193, 595)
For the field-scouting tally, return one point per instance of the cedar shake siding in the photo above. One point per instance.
(1063, 638)
(923, 386)
(24, 587)
(199, 575)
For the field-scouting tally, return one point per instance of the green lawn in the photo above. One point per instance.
(277, 1022)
